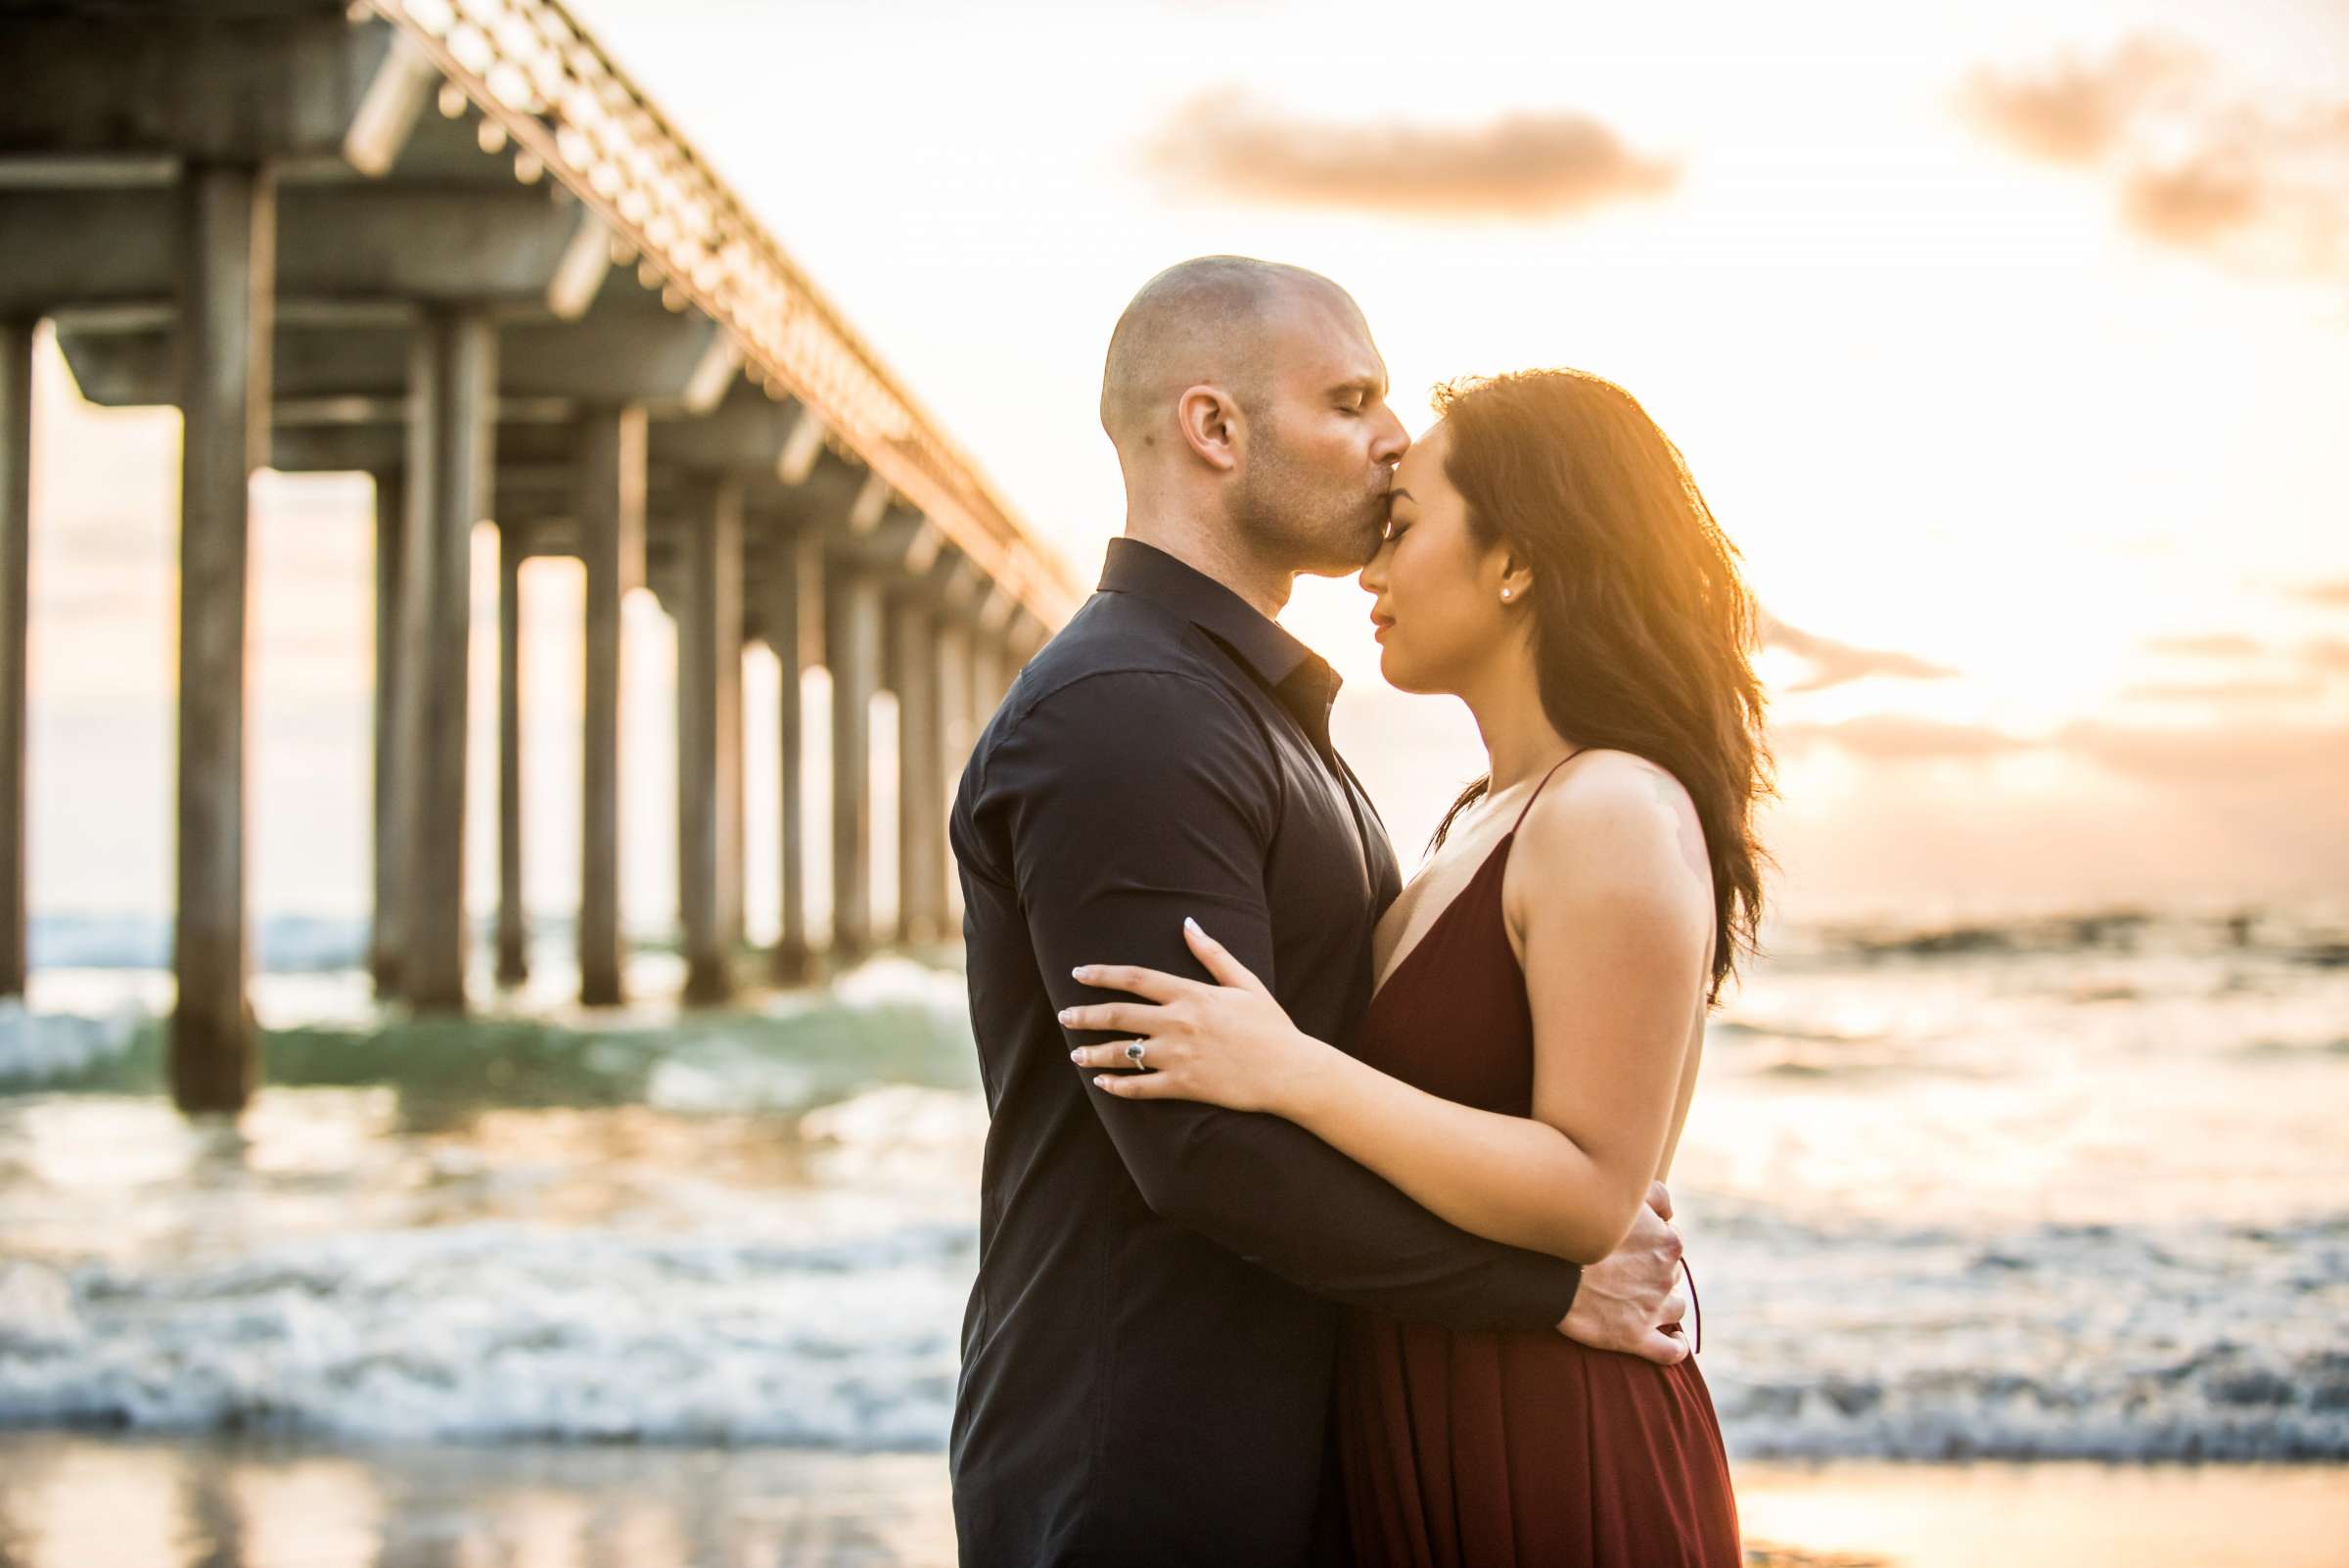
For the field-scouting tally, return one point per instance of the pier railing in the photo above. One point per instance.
(534, 74)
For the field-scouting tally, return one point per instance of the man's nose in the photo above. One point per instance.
(1393, 440)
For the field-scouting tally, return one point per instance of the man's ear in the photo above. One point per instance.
(1210, 423)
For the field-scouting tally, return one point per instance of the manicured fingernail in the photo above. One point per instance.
(1065, 1013)
(1101, 1082)
(1076, 1055)
(1081, 971)
(1193, 924)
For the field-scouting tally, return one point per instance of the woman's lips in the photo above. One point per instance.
(1382, 622)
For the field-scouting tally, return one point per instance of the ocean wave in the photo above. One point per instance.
(288, 944)
(1741, 1028)
(2295, 1049)
(487, 1331)
(38, 1047)
(795, 1051)
(2082, 1342)
(2217, 1405)
(770, 1243)
(2218, 1342)
(2312, 937)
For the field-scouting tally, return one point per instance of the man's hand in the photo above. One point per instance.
(1630, 1299)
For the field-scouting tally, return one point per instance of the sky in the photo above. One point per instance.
(2008, 342)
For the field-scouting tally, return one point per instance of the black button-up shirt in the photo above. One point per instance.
(1148, 1352)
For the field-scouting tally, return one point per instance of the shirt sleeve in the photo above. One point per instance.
(1128, 799)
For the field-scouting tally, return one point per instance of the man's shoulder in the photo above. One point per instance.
(1121, 651)
(1125, 690)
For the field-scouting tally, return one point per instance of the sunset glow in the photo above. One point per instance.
(2031, 443)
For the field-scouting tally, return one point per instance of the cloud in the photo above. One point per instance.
(1526, 164)
(2261, 672)
(2248, 689)
(1897, 738)
(1834, 664)
(2326, 653)
(2221, 753)
(2219, 645)
(2316, 658)
(2324, 593)
(2076, 111)
(2195, 161)
(2198, 204)
(2281, 754)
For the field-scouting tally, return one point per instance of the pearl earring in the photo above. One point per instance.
(1504, 593)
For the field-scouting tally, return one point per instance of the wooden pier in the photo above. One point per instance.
(449, 244)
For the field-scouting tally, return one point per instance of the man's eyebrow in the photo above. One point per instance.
(1368, 386)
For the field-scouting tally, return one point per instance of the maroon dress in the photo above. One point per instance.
(1490, 1448)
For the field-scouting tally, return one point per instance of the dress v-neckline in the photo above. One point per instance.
(1451, 908)
(1497, 851)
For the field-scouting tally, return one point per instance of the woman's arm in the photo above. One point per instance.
(1615, 917)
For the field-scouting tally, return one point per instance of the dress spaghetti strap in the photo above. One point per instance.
(1539, 788)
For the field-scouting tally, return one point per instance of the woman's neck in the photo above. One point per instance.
(1520, 742)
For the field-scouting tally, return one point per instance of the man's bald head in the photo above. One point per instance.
(1248, 406)
(1201, 321)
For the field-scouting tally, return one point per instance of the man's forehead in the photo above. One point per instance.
(1323, 344)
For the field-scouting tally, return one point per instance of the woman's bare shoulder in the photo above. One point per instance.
(1612, 821)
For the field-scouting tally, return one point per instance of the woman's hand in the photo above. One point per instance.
(1228, 1043)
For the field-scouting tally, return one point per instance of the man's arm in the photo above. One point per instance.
(1130, 800)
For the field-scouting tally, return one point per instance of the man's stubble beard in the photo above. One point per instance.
(1305, 527)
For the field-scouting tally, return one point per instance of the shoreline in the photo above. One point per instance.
(74, 1497)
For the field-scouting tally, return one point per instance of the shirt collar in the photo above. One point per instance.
(1299, 676)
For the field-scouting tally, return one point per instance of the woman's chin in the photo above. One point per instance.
(1397, 672)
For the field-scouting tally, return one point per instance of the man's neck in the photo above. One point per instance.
(1265, 587)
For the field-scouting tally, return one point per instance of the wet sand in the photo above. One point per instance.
(91, 1501)
(2079, 1514)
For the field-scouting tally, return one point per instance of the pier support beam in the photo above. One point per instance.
(921, 742)
(950, 685)
(733, 791)
(709, 743)
(610, 512)
(16, 538)
(852, 653)
(451, 428)
(387, 932)
(513, 931)
(989, 678)
(226, 284)
(795, 626)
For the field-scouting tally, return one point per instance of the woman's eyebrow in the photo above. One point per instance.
(1402, 495)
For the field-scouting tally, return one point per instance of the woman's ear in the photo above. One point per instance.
(1516, 577)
